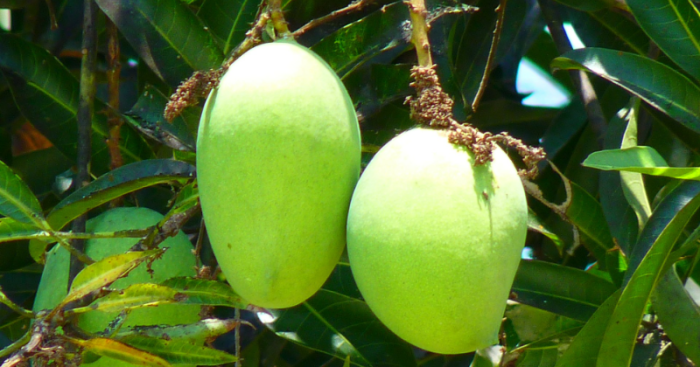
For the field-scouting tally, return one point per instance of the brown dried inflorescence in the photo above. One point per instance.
(433, 107)
(191, 90)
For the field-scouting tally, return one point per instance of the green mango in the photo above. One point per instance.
(278, 156)
(434, 242)
(177, 261)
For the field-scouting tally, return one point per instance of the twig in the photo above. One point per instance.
(501, 10)
(14, 307)
(202, 82)
(113, 72)
(419, 34)
(85, 113)
(433, 107)
(277, 18)
(356, 5)
(237, 336)
(582, 83)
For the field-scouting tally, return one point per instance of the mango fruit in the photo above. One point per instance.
(177, 261)
(278, 156)
(434, 241)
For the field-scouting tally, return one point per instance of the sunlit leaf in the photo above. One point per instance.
(116, 183)
(120, 351)
(105, 272)
(205, 329)
(134, 296)
(11, 230)
(205, 292)
(639, 159)
(655, 83)
(647, 265)
(178, 351)
(673, 25)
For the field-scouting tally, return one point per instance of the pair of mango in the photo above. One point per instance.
(433, 241)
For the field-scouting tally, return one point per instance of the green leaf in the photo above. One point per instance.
(375, 86)
(560, 289)
(585, 5)
(47, 94)
(205, 329)
(178, 351)
(647, 264)
(104, 272)
(16, 199)
(380, 33)
(170, 39)
(114, 184)
(342, 326)
(632, 182)
(134, 296)
(120, 351)
(535, 224)
(583, 351)
(639, 159)
(147, 117)
(657, 84)
(587, 214)
(679, 314)
(12, 230)
(624, 28)
(205, 292)
(40, 168)
(673, 25)
(545, 357)
(228, 21)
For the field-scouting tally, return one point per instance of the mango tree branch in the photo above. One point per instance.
(419, 36)
(501, 10)
(85, 113)
(113, 72)
(356, 5)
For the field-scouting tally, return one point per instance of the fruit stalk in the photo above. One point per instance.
(419, 35)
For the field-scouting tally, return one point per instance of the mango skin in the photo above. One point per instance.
(434, 243)
(278, 156)
(177, 261)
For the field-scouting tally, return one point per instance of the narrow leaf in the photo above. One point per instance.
(120, 351)
(116, 183)
(378, 33)
(639, 159)
(16, 199)
(228, 21)
(632, 182)
(583, 351)
(178, 351)
(205, 292)
(134, 296)
(560, 289)
(679, 315)
(47, 94)
(147, 117)
(654, 247)
(341, 326)
(170, 39)
(673, 25)
(205, 329)
(657, 84)
(104, 272)
(12, 230)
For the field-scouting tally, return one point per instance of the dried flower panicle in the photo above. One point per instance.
(433, 107)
